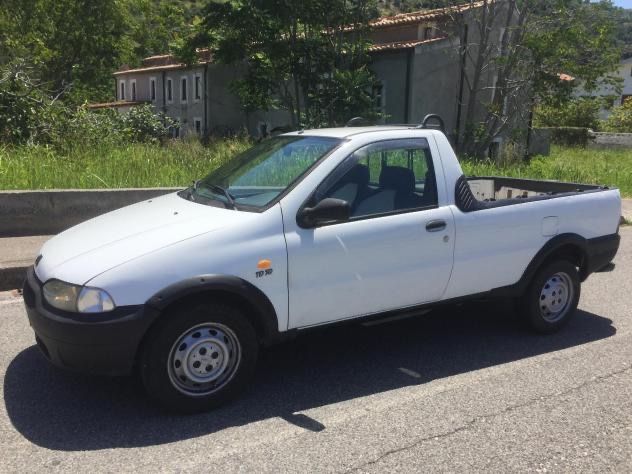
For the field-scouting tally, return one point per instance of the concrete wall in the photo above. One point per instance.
(225, 108)
(610, 140)
(540, 142)
(50, 212)
(390, 69)
(395, 33)
(435, 78)
(435, 83)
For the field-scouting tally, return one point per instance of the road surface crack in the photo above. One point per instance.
(478, 419)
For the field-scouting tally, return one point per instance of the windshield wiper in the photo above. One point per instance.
(224, 191)
(217, 189)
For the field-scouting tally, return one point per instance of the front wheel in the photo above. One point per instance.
(552, 297)
(201, 357)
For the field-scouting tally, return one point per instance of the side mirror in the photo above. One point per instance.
(327, 211)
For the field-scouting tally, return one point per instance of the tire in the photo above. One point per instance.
(551, 299)
(202, 356)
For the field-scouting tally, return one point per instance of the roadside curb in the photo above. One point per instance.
(48, 212)
(11, 278)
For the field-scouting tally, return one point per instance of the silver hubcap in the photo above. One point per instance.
(204, 359)
(555, 297)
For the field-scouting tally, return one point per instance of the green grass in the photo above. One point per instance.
(130, 166)
(178, 163)
(606, 167)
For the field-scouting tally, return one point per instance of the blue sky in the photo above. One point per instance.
(623, 3)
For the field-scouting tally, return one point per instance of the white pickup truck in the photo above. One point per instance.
(306, 229)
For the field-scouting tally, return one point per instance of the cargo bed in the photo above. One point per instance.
(484, 192)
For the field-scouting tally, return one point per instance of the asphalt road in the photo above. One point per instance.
(461, 389)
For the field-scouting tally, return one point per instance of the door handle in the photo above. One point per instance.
(436, 226)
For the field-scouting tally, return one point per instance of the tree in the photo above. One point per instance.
(298, 56)
(624, 30)
(620, 120)
(74, 46)
(581, 112)
(69, 42)
(526, 44)
(155, 26)
(25, 110)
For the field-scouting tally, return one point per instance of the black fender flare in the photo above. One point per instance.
(550, 248)
(266, 322)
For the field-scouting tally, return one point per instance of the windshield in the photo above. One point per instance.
(256, 177)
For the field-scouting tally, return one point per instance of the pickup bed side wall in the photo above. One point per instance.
(495, 246)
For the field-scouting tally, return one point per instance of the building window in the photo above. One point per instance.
(133, 88)
(122, 90)
(379, 100)
(428, 32)
(183, 89)
(152, 89)
(169, 90)
(198, 87)
(197, 124)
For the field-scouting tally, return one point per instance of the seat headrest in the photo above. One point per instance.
(359, 175)
(398, 178)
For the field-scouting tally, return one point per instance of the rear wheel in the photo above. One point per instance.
(201, 357)
(552, 297)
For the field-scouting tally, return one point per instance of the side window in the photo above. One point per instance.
(386, 177)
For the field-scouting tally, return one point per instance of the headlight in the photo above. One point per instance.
(74, 298)
(61, 295)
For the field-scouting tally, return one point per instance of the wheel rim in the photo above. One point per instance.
(204, 359)
(555, 297)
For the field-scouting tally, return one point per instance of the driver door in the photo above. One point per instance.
(395, 251)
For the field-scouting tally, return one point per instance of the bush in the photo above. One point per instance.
(582, 112)
(143, 125)
(29, 115)
(85, 127)
(620, 120)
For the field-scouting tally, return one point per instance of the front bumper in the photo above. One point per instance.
(102, 343)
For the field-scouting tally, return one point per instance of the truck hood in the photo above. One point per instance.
(95, 246)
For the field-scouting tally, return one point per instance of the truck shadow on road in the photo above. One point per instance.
(67, 412)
